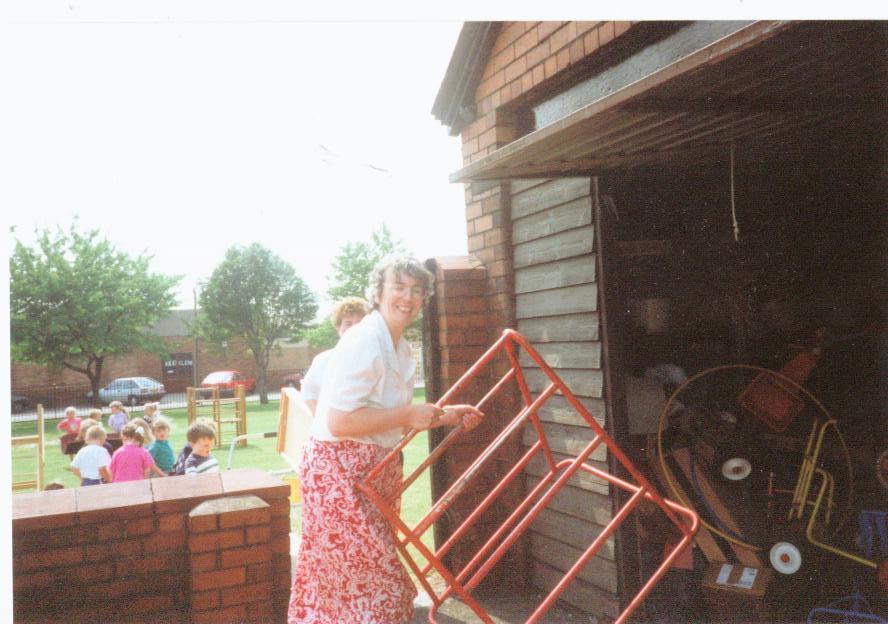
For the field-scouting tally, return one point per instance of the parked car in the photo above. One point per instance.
(293, 380)
(227, 380)
(131, 391)
(20, 403)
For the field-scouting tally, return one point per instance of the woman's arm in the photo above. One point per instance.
(105, 474)
(366, 421)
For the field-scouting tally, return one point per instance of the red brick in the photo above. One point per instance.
(171, 522)
(259, 572)
(562, 59)
(621, 27)
(139, 526)
(109, 531)
(559, 38)
(525, 42)
(219, 578)
(550, 66)
(281, 562)
(203, 542)
(30, 581)
(544, 29)
(280, 508)
(231, 615)
(49, 559)
(160, 562)
(173, 540)
(205, 600)
(246, 555)
(281, 544)
(258, 534)
(246, 593)
(538, 54)
(263, 612)
(201, 562)
(473, 211)
(203, 523)
(514, 70)
(502, 58)
(476, 242)
(247, 517)
(143, 605)
(516, 89)
(538, 74)
(576, 51)
(281, 524)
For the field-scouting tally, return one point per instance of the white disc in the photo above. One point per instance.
(785, 558)
(736, 468)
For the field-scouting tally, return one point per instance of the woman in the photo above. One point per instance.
(347, 313)
(348, 568)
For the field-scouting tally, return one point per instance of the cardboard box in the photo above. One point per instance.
(734, 592)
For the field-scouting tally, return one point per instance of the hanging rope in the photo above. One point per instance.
(733, 207)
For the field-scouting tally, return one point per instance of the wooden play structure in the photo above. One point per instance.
(30, 443)
(229, 414)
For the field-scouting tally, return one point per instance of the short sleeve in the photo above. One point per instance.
(311, 383)
(353, 370)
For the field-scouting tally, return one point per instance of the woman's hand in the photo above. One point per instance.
(424, 416)
(468, 415)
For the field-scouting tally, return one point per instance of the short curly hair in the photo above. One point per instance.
(400, 265)
(349, 306)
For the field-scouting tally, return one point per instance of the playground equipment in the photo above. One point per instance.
(229, 415)
(461, 583)
(30, 480)
(294, 420)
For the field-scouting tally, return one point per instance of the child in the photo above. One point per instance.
(160, 449)
(71, 423)
(118, 417)
(131, 462)
(92, 422)
(91, 462)
(150, 412)
(201, 436)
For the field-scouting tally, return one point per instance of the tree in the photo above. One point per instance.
(75, 300)
(353, 264)
(255, 295)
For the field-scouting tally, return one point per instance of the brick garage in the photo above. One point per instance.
(588, 144)
(199, 548)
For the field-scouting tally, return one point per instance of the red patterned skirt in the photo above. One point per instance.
(348, 569)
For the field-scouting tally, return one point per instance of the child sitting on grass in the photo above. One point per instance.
(92, 461)
(71, 423)
(131, 462)
(160, 449)
(201, 436)
(118, 417)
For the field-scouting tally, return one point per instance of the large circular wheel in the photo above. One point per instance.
(731, 464)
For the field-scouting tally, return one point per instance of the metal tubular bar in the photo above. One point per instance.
(533, 504)
(488, 500)
(533, 513)
(525, 393)
(395, 519)
(451, 436)
(460, 484)
(590, 552)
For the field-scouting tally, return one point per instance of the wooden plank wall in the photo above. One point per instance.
(556, 301)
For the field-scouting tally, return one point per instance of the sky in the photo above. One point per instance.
(182, 138)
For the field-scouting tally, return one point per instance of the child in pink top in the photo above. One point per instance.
(131, 462)
(71, 423)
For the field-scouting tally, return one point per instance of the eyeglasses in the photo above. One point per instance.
(399, 289)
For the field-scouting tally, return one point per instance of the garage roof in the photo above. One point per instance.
(765, 79)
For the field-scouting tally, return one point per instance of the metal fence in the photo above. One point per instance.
(56, 398)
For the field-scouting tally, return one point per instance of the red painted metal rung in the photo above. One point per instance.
(464, 581)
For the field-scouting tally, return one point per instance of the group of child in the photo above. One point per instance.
(145, 450)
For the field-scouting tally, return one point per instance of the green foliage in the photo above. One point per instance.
(352, 267)
(255, 295)
(322, 336)
(75, 300)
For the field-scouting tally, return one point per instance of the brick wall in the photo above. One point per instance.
(465, 320)
(154, 550)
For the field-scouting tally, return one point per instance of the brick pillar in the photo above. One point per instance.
(230, 560)
(463, 319)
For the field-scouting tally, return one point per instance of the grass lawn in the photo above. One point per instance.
(259, 453)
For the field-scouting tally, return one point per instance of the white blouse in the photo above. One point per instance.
(314, 377)
(366, 370)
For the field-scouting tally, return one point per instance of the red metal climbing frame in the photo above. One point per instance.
(464, 581)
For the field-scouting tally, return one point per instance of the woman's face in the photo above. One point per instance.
(401, 300)
(347, 322)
